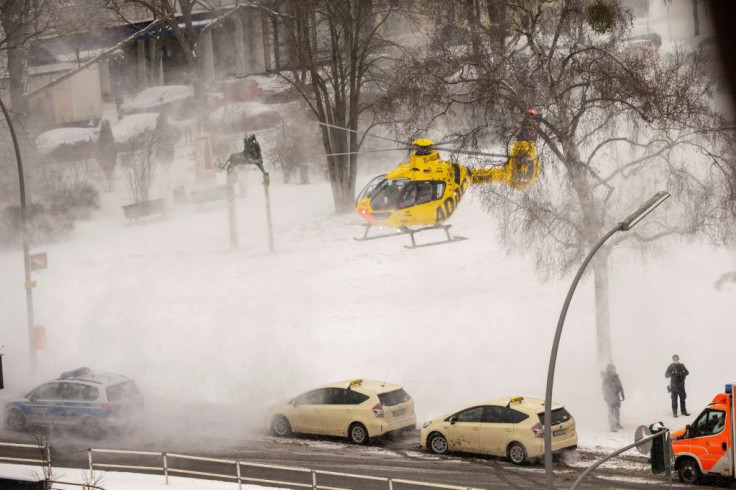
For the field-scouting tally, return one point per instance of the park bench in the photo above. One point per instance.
(203, 196)
(146, 208)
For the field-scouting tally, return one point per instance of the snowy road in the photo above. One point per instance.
(398, 459)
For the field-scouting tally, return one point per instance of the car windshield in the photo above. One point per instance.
(559, 416)
(122, 391)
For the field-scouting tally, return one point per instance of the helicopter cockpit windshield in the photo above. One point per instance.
(370, 187)
(386, 194)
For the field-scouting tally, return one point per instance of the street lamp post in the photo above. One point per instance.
(629, 222)
(24, 232)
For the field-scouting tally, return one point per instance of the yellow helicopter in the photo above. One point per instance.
(422, 193)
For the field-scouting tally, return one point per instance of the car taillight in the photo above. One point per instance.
(538, 430)
(377, 410)
(108, 408)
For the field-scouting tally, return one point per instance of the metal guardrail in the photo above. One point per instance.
(39, 447)
(239, 478)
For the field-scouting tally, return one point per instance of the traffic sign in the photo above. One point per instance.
(641, 432)
(38, 261)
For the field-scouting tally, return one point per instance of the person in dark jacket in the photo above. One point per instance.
(613, 393)
(677, 372)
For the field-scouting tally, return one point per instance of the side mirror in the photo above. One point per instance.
(688, 431)
(453, 419)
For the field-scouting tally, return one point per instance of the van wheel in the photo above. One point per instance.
(15, 420)
(281, 427)
(516, 453)
(358, 434)
(688, 471)
(437, 444)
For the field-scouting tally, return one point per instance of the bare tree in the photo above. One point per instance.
(140, 164)
(336, 57)
(618, 122)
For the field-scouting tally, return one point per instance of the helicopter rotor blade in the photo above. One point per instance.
(362, 152)
(476, 153)
(367, 134)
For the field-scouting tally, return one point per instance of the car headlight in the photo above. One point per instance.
(426, 424)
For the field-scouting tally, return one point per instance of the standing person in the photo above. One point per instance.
(677, 372)
(613, 393)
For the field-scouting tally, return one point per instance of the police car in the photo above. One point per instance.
(91, 401)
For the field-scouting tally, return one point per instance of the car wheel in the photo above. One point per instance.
(91, 428)
(15, 420)
(437, 444)
(516, 453)
(281, 427)
(688, 471)
(358, 434)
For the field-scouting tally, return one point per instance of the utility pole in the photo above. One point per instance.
(29, 285)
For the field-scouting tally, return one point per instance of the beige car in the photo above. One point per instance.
(357, 409)
(506, 427)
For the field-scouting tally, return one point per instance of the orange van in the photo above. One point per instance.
(706, 447)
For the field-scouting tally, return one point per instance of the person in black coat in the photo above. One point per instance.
(677, 372)
(613, 393)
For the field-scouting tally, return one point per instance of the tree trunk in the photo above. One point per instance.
(696, 19)
(602, 308)
(13, 20)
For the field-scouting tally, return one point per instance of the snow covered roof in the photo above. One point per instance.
(51, 140)
(134, 125)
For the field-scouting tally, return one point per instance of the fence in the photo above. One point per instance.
(237, 475)
(42, 448)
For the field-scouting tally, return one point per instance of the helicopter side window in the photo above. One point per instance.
(426, 192)
(439, 190)
(409, 196)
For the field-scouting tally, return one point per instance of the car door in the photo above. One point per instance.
(497, 429)
(42, 404)
(338, 411)
(74, 402)
(709, 439)
(463, 433)
(307, 414)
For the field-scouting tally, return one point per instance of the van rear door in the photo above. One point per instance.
(732, 416)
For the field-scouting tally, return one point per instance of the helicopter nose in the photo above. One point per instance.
(366, 214)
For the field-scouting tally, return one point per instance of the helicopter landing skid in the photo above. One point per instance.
(446, 229)
(368, 226)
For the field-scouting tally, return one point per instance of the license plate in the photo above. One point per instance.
(397, 413)
(558, 432)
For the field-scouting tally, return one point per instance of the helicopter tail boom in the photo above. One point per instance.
(519, 172)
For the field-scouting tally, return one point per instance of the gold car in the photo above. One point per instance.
(506, 427)
(357, 409)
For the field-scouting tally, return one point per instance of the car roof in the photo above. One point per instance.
(88, 375)
(523, 404)
(364, 385)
